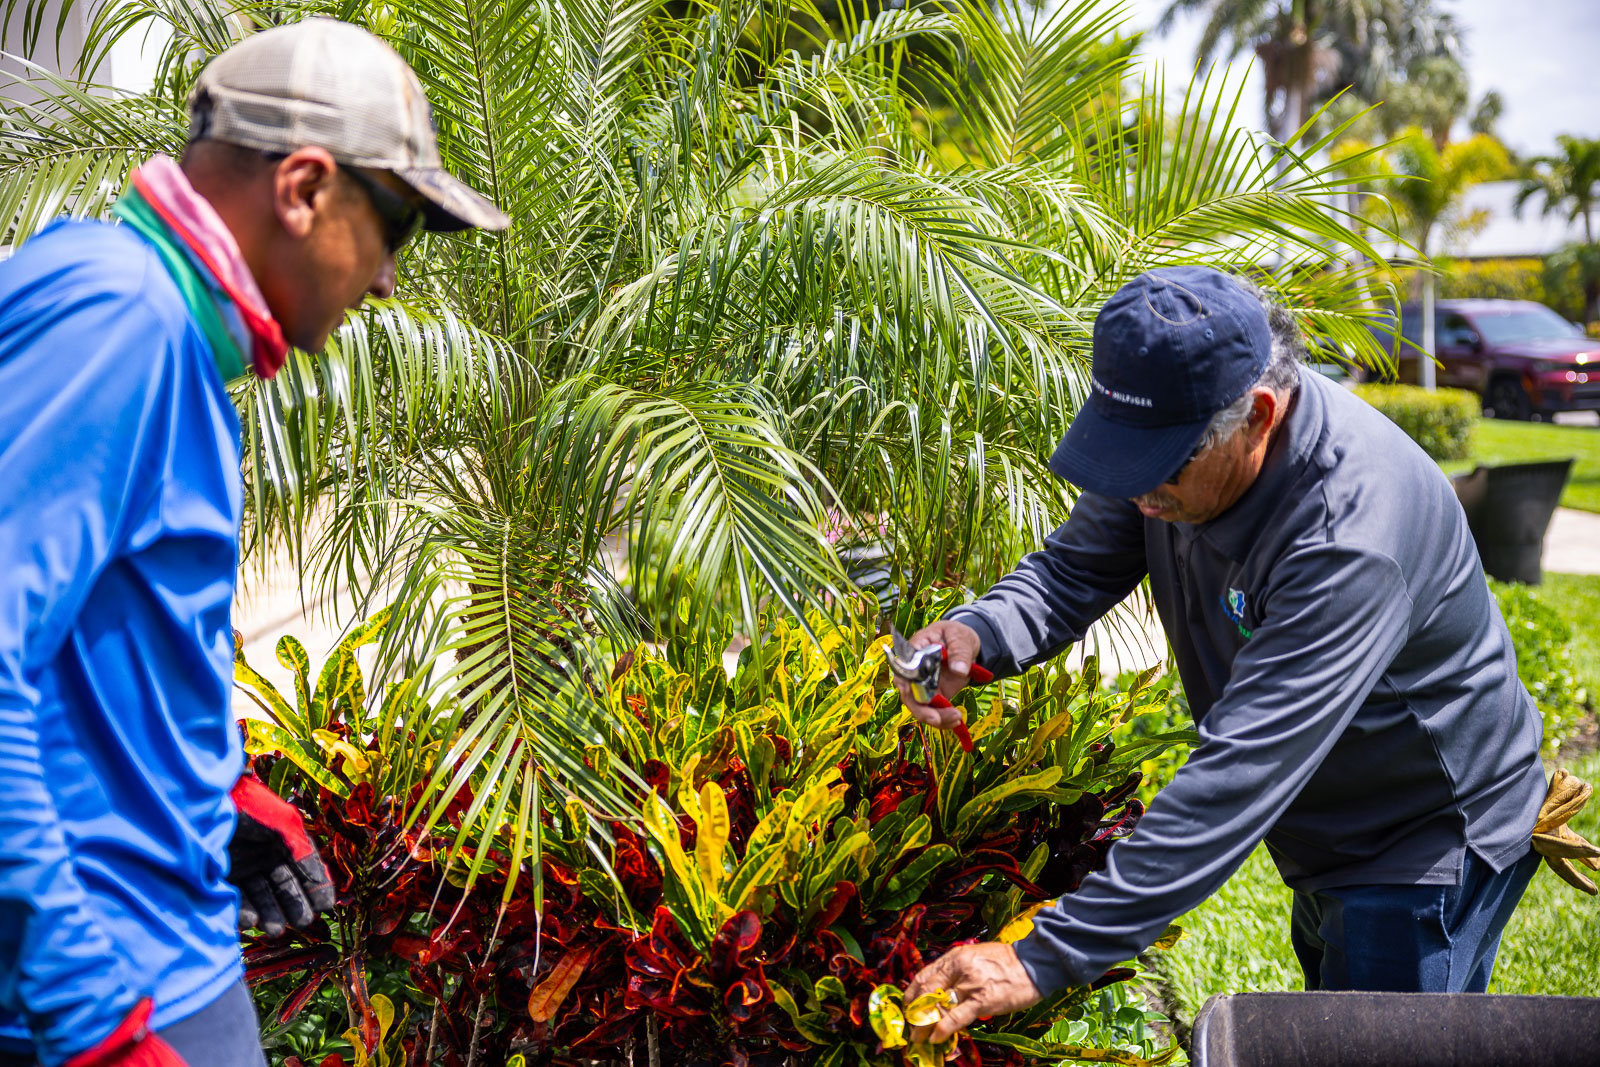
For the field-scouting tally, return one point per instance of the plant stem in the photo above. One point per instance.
(477, 1028)
(433, 1028)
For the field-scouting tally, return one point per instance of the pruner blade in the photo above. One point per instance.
(919, 668)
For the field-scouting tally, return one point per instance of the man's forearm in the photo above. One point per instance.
(1333, 621)
(1086, 567)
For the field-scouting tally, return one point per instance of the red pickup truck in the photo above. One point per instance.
(1523, 359)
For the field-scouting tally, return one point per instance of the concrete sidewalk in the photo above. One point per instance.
(1572, 544)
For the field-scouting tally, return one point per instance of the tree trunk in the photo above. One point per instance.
(1295, 96)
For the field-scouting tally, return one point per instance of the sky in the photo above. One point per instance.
(1542, 56)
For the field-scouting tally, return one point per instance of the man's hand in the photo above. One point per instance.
(280, 876)
(987, 979)
(131, 1044)
(961, 651)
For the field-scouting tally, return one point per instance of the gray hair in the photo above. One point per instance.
(1282, 373)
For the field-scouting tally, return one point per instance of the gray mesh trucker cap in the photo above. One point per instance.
(327, 84)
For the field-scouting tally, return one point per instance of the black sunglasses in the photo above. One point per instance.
(1199, 448)
(401, 218)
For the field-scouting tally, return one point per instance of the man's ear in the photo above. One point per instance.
(1263, 413)
(302, 185)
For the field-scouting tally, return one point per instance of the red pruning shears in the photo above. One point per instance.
(919, 668)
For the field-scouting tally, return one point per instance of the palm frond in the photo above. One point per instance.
(70, 151)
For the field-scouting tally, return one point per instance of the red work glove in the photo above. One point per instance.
(131, 1044)
(280, 876)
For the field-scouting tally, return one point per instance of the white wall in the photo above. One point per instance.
(130, 65)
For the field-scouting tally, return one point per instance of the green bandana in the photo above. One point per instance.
(198, 293)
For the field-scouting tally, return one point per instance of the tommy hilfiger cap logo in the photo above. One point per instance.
(1119, 396)
(1172, 347)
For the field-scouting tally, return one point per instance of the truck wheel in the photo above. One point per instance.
(1508, 400)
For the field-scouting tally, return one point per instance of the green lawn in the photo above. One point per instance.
(1576, 598)
(1502, 441)
(1238, 941)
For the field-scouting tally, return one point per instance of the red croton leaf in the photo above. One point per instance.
(657, 964)
(623, 665)
(1118, 828)
(979, 864)
(1123, 791)
(843, 894)
(546, 998)
(355, 987)
(266, 962)
(1113, 976)
(657, 776)
(745, 996)
(296, 1001)
(442, 945)
(732, 943)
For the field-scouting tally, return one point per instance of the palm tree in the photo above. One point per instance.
(742, 289)
(1424, 189)
(1569, 181)
(1311, 50)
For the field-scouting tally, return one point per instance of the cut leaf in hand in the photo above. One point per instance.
(927, 1009)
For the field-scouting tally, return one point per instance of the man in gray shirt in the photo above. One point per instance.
(1354, 687)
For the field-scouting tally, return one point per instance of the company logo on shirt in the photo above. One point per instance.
(1233, 607)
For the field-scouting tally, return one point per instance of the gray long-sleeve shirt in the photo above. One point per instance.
(1354, 687)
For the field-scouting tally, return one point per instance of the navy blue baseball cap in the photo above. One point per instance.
(1171, 349)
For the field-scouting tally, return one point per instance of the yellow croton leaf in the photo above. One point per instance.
(926, 1009)
(663, 829)
(1021, 926)
(711, 841)
(888, 1021)
(356, 762)
(1169, 937)
(930, 1053)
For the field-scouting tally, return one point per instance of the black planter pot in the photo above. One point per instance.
(1508, 509)
(1394, 1029)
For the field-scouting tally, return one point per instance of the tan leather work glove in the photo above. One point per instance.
(1559, 843)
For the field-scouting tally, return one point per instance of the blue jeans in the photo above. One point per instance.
(224, 1033)
(1408, 938)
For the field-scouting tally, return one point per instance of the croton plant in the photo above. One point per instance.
(804, 849)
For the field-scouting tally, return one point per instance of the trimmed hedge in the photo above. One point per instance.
(1440, 421)
(1494, 279)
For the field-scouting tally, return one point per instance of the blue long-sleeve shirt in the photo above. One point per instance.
(1354, 687)
(120, 506)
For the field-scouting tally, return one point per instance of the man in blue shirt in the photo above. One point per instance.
(312, 160)
(1354, 687)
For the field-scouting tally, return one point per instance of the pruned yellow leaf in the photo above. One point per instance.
(926, 1009)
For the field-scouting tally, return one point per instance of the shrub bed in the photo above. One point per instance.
(1441, 420)
(805, 849)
